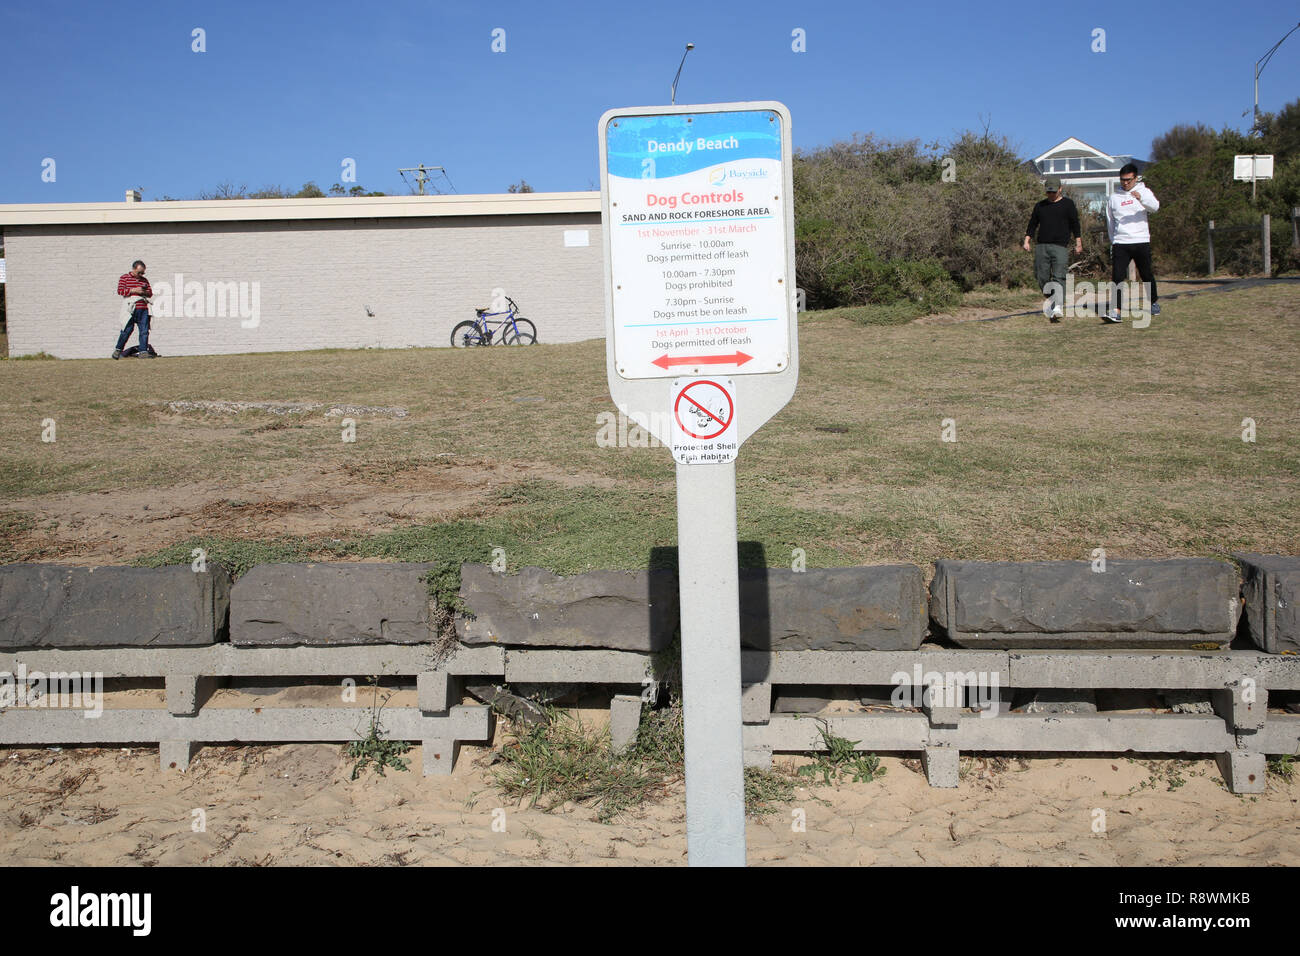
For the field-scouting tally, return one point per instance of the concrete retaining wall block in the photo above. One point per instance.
(842, 609)
(329, 604)
(53, 605)
(617, 610)
(1174, 603)
(1271, 593)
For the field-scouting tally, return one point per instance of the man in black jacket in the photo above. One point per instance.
(1056, 220)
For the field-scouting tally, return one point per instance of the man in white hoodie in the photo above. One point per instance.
(1130, 238)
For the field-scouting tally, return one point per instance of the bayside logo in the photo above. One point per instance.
(75, 909)
(57, 690)
(719, 176)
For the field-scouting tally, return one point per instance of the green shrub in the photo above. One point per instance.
(876, 224)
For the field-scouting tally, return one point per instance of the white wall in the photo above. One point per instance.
(420, 276)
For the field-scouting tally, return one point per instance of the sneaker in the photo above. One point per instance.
(145, 354)
(117, 353)
(1112, 316)
(1155, 308)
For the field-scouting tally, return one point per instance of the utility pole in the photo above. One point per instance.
(421, 174)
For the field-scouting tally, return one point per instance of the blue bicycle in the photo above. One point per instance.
(514, 329)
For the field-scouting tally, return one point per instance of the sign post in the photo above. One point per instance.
(1254, 167)
(701, 350)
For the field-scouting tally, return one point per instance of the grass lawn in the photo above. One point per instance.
(1069, 438)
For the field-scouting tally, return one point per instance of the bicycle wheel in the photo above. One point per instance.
(523, 333)
(466, 334)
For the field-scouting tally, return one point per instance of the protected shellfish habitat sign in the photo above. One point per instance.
(697, 217)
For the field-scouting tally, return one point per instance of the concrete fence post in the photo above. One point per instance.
(1210, 242)
(1268, 247)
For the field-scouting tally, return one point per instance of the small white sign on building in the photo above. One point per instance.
(1251, 167)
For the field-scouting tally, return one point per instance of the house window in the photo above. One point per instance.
(1076, 165)
(1058, 165)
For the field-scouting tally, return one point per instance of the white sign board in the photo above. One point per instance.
(696, 232)
(1252, 167)
(2, 270)
(699, 257)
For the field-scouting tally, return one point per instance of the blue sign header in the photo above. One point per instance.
(688, 142)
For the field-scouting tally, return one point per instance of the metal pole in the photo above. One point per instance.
(1259, 68)
(710, 614)
(1210, 241)
(1295, 227)
(1254, 124)
(1268, 246)
(673, 93)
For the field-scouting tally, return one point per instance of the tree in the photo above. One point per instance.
(225, 190)
(881, 222)
(1282, 130)
(519, 187)
(1193, 178)
(1184, 140)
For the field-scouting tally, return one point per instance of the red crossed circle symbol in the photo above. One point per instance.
(720, 422)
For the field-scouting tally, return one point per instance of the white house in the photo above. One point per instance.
(1089, 174)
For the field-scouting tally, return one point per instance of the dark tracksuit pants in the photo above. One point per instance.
(1121, 254)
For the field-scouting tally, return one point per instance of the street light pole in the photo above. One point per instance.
(689, 48)
(1259, 68)
(1255, 127)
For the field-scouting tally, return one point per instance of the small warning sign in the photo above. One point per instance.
(704, 421)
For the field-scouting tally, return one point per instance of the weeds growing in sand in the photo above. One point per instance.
(841, 757)
(564, 760)
(1168, 773)
(763, 788)
(1283, 767)
(373, 749)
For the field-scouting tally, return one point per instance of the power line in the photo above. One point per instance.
(422, 176)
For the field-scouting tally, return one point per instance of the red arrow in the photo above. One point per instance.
(665, 361)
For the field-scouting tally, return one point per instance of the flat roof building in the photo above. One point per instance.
(269, 275)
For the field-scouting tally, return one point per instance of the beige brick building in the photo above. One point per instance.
(292, 274)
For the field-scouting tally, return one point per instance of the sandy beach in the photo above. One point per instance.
(295, 805)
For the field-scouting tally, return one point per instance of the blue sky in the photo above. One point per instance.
(285, 92)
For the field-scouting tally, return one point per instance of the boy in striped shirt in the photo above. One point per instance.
(134, 283)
